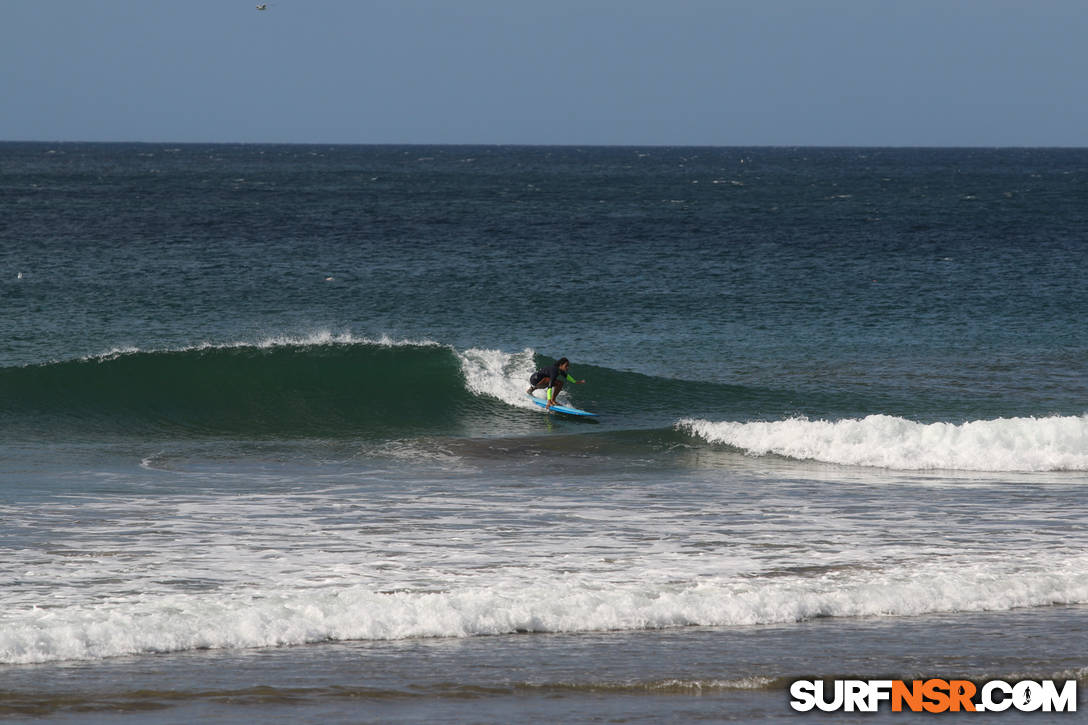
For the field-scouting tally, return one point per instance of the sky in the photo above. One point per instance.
(588, 72)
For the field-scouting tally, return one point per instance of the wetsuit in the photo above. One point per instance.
(554, 374)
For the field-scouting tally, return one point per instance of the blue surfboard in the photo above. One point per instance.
(562, 408)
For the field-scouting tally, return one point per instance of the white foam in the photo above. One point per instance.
(110, 575)
(1055, 443)
(501, 375)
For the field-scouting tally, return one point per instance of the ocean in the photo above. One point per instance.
(266, 452)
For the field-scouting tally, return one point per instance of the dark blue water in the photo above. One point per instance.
(626, 257)
(257, 399)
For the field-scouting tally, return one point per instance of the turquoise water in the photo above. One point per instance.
(265, 404)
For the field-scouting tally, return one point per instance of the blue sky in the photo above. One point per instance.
(643, 72)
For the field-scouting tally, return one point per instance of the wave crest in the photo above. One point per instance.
(323, 385)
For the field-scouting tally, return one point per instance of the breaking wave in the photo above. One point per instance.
(1055, 443)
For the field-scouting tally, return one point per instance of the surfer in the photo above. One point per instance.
(553, 378)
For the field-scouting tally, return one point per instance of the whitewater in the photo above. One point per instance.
(185, 571)
(1053, 443)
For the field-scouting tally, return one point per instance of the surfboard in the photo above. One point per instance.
(569, 410)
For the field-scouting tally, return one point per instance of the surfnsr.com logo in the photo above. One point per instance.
(934, 695)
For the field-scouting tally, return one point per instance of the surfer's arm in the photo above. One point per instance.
(572, 380)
